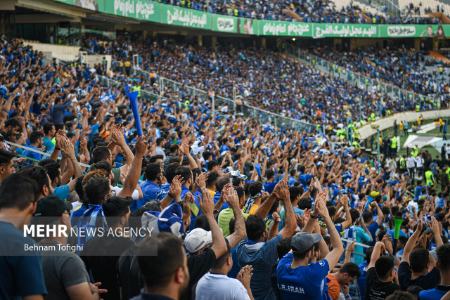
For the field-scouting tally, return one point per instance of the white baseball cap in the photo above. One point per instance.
(197, 239)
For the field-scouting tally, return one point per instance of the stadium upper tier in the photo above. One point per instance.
(314, 19)
(270, 80)
(405, 68)
(322, 11)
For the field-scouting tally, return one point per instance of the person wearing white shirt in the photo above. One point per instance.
(411, 165)
(217, 283)
(419, 167)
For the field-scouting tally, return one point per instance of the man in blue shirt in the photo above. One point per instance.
(21, 273)
(298, 275)
(443, 254)
(49, 138)
(259, 252)
(151, 187)
(36, 144)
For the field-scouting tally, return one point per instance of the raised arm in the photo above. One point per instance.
(376, 253)
(321, 208)
(291, 222)
(240, 233)
(135, 170)
(219, 245)
(412, 242)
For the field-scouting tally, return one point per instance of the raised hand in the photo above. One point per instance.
(321, 207)
(175, 187)
(245, 276)
(207, 204)
(201, 180)
(231, 196)
(141, 147)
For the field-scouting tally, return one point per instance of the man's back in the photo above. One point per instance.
(376, 289)
(303, 282)
(221, 286)
(20, 275)
(62, 270)
(262, 257)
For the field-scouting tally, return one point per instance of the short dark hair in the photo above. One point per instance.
(52, 167)
(18, 191)
(185, 173)
(255, 227)
(158, 269)
(153, 171)
(351, 269)
(270, 174)
(38, 174)
(6, 156)
(35, 136)
(212, 178)
(443, 254)
(48, 127)
(102, 165)
(367, 216)
(418, 259)
(355, 214)
(384, 266)
(170, 171)
(254, 188)
(96, 189)
(100, 153)
(295, 191)
(115, 208)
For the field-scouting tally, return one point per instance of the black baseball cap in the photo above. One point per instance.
(52, 206)
(303, 241)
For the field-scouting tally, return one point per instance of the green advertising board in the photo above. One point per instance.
(136, 9)
(152, 11)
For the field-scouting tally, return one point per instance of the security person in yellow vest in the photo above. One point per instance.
(417, 107)
(393, 146)
(341, 134)
(429, 178)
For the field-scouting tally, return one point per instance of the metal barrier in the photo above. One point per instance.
(219, 102)
(365, 81)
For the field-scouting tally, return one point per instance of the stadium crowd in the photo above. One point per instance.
(323, 11)
(405, 68)
(234, 209)
(266, 79)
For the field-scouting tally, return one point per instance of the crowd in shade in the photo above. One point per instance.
(233, 209)
(323, 11)
(405, 68)
(270, 80)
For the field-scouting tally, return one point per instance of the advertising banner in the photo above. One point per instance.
(152, 11)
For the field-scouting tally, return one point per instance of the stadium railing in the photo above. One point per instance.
(219, 103)
(364, 81)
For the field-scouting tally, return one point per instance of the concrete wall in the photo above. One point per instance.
(61, 52)
(367, 131)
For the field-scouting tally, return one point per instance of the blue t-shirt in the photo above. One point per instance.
(62, 192)
(20, 275)
(434, 294)
(262, 256)
(373, 227)
(304, 282)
